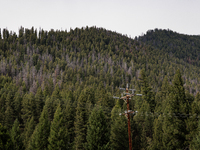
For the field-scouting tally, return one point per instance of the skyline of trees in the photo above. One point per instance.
(56, 86)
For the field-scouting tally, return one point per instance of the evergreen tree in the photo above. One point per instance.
(157, 143)
(143, 127)
(81, 120)
(174, 127)
(28, 131)
(17, 105)
(28, 107)
(97, 131)
(196, 139)
(58, 138)
(15, 136)
(68, 117)
(119, 134)
(146, 90)
(193, 120)
(5, 139)
(40, 101)
(9, 117)
(39, 140)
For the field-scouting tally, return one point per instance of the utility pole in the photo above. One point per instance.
(128, 112)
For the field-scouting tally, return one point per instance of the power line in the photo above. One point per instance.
(128, 112)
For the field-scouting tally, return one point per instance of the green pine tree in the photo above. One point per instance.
(58, 138)
(5, 139)
(68, 117)
(119, 133)
(174, 123)
(157, 143)
(196, 139)
(39, 100)
(28, 107)
(81, 119)
(15, 136)
(97, 131)
(41, 133)
(28, 131)
(147, 90)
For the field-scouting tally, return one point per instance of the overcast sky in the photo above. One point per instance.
(131, 17)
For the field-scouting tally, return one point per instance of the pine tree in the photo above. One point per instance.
(17, 105)
(69, 118)
(119, 133)
(157, 143)
(81, 119)
(97, 131)
(5, 139)
(31, 145)
(28, 107)
(146, 90)
(15, 136)
(174, 127)
(196, 139)
(143, 127)
(28, 131)
(9, 117)
(193, 120)
(39, 100)
(161, 96)
(58, 138)
(39, 140)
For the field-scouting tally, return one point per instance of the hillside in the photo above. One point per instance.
(58, 76)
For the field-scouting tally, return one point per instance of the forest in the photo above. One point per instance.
(57, 88)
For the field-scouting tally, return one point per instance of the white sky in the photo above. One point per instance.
(131, 17)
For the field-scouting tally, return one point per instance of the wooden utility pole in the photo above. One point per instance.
(128, 112)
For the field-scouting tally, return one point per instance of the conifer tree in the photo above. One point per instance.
(9, 117)
(58, 138)
(28, 131)
(146, 90)
(15, 136)
(196, 139)
(157, 143)
(5, 139)
(174, 126)
(143, 127)
(28, 107)
(17, 105)
(81, 119)
(68, 117)
(40, 101)
(39, 139)
(31, 145)
(161, 96)
(193, 120)
(119, 133)
(97, 131)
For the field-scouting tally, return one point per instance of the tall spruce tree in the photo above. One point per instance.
(58, 138)
(196, 139)
(147, 90)
(193, 121)
(40, 101)
(97, 131)
(68, 117)
(15, 136)
(5, 139)
(157, 143)
(119, 133)
(81, 119)
(28, 131)
(174, 126)
(28, 107)
(41, 133)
